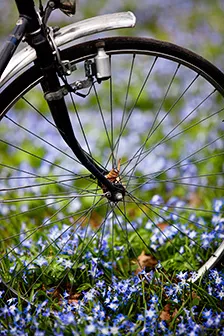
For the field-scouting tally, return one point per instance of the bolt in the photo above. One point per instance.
(64, 91)
(118, 197)
(78, 85)
(51, 4)
(108, 194)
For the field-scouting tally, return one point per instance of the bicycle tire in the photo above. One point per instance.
(169, 214)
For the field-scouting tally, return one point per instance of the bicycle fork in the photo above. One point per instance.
(54, 93)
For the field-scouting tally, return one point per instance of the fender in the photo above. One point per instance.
(67, 34)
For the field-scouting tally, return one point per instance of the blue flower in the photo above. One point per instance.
(12, 309)
(91, 328)
(157, 200)
(40, 261)
(207, 313)
(220, 294)
(150, 313)
(4, 311)
(104, 331)
(39, 333)
(113, 306)
(182, 275)
(218, 204)
(89, 296)
(114, 330)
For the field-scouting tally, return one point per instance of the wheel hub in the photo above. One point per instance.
(118, 192)
(116, 195)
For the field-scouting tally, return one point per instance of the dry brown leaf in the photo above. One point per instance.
(166, 308)
(74, 298)
(164, 316)
(162, 226)
(95, 220)
(145, 260)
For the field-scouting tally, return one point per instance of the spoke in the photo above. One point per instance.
(45, 225)
(171, 224)
(100, 239)
(151, 130)
(180, 183)
(80, 124)
(183, 217)
(136, 200)
(60, 249)
(125, 231)
(85, 247)
(49, 197)
(125, 104)
(111, 119)
(190, 155)
(134, 177)
(25, 212)
(35, 230)
(177, 164)
(102, 117)
(166, 137)
(112, 238)
(129, 222)
(36, 156)
(25, 177)
(161, 231)
(32, 174)
(43, 184)
(42, 115)
(42, 139)
(45, 177)
(126, 228)
(154, 174)
(135, 103)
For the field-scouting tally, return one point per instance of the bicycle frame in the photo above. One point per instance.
(37, 37)
(27, 23)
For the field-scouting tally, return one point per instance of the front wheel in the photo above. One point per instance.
(156, 126)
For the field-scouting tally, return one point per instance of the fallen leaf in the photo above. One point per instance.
(145, 260)
(74, 298)
(162, 225)
(164, 316)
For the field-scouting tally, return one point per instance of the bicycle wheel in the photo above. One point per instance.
(157, 127)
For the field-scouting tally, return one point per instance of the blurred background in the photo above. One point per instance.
(195, 24)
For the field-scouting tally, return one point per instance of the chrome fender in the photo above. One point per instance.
(67, 34)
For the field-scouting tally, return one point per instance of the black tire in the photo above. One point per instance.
(194, 155)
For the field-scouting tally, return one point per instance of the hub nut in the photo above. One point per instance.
(118, 197)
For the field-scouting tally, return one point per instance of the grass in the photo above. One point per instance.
(76, 287)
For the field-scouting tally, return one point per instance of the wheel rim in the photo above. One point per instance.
(170, 122)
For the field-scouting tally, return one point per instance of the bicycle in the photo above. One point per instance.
(104, 192)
